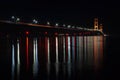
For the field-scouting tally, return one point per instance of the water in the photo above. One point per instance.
(58, 57)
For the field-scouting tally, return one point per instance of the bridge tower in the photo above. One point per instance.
(96, 23)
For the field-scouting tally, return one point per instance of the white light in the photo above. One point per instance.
(13, 17)
(69, 57)
(18, 52)
(56, 49)
(48, 50)
(36, 22)
(18, 19)
(13, 55)
(69, 26)
(56, 24)
(48, 23)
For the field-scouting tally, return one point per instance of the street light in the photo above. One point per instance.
(63, 25)
(69, 26)
(48, 23)
(13, 17)
(56, 24)
(18, 19)
(35, 21)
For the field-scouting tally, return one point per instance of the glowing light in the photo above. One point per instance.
(35, 21)
(46, 32)
(27, 32)
(69, 26)
(69, 58)
(56, 49)
(13, 55)
(56, 33)
(48, 23)
(35, 57)
(48, 51)
(18, 52)
(35, 50)
(18, 19)
(27, 51)
(13, 17)
(56, 24)
(13, 62)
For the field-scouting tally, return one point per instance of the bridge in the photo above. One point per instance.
(9, 27)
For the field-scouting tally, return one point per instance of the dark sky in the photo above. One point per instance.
(73, 12)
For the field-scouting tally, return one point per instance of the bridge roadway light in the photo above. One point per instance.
(13, 17)
(63, 25)
(48, 23)
(56, 24)
(18, 19)
(69, 26)
(35, 21)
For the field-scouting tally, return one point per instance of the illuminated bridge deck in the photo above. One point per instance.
(21, 28)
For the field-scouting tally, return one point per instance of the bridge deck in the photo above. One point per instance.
(10, 27)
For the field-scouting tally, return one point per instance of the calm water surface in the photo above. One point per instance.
(58, 57)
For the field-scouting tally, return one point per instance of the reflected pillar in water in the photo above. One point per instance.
(17, 62)
(56, 40)
(98, 51)
(35, 57)
(101, 47)
(95, 51)
(47, 48)
(18, 52)
(90, 50)
(35, 51)
(69, 52)
(18, 59)
(27, 59)
(13, 61)
(67, 49)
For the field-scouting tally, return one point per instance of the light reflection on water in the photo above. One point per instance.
(71, 54)
(35, 57)
(13, 62)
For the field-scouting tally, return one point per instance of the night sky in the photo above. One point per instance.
(74, 12)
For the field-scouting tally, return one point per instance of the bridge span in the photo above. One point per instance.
(37, 29)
